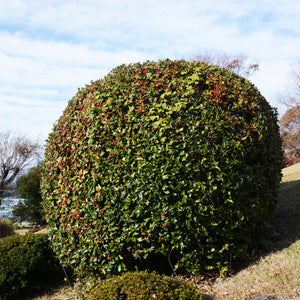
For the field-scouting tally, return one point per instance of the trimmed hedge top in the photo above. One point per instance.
(144, 286)
(171, 157)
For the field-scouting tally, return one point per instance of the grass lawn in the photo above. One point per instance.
(275, 271)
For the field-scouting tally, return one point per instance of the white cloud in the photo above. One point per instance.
(48, 49)
(14, 46)
(27, 115)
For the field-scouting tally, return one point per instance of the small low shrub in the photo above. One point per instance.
(26, 263)
(6, 229)
(143, 285)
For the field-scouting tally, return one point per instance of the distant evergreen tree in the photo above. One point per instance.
(29, 188)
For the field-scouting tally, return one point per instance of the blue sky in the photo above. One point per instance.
(49, 49)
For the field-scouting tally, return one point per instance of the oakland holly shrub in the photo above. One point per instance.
(170, 159)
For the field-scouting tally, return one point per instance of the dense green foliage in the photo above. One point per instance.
(170, 158)
(28, 186)
(26, 262)
(6, 229)
(143, 286)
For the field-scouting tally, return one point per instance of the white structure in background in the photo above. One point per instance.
(7, 206)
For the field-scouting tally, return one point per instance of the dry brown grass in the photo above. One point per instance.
(291, 173)
(64, 293)
(21, 231)
(276, 274)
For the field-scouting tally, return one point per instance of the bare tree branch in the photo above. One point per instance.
(291, 97)
(290, 134)
(236, 64)
(16, 153)
(295, 75)
(290, 121)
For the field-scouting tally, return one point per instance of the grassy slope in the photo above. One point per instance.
(277, 273)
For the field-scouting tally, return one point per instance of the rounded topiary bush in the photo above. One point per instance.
(174, 158)
(27, 263)
(144, 286)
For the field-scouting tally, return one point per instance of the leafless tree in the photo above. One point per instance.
(295, 75)
(291, 96)
(236, 64)
(16, 153)
(290, 135)
(290, 121)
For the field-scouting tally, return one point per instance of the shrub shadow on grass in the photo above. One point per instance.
(284, 230)
(286, 220)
